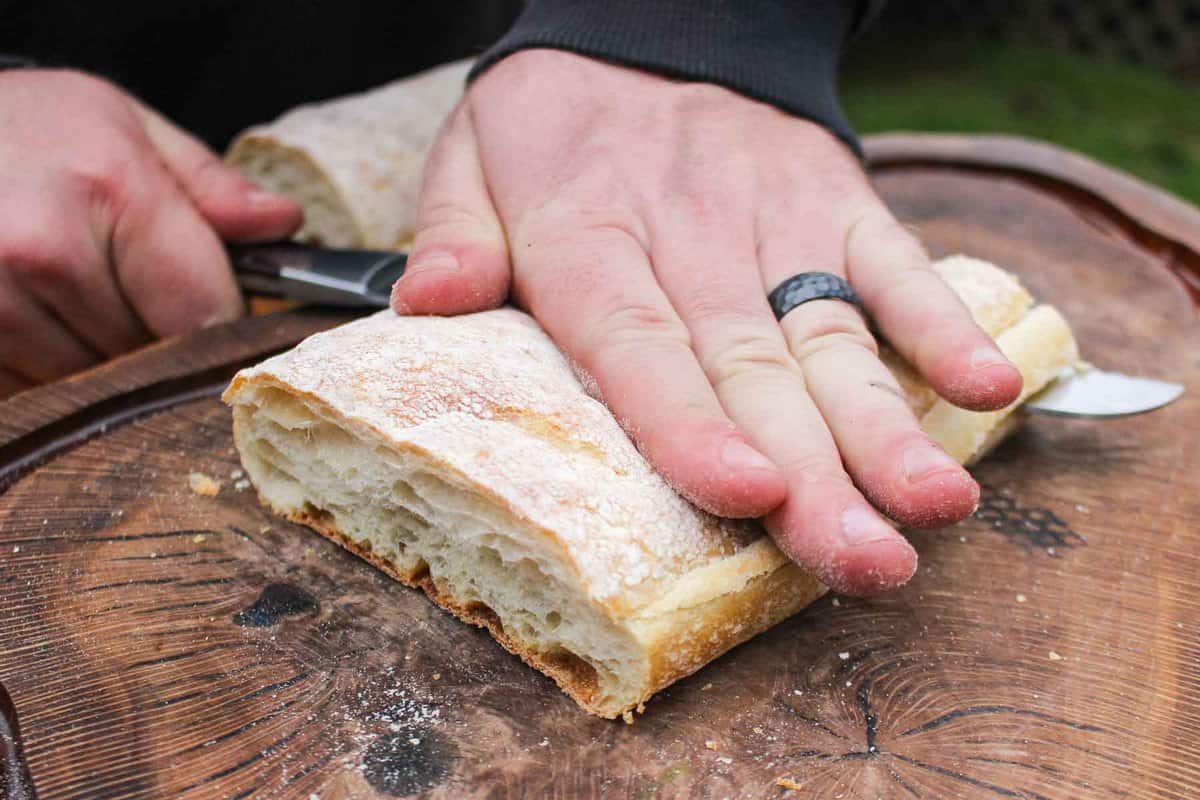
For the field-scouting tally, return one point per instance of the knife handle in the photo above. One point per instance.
(348, 278)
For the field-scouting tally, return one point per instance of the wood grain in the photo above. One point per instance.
(159, 643)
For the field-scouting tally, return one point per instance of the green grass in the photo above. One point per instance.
(1136, 119)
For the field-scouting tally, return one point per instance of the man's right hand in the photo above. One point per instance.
(111, 222)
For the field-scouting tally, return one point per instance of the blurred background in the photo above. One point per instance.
(1118, 80)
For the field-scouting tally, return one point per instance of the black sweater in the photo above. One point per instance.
(217, 66)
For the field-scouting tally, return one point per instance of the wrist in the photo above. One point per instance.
(779, 52)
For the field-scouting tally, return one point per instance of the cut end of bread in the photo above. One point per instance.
(406, 515)
(415, 516)
(290, 172)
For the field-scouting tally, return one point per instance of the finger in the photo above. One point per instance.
(594, 292)
(825, 524)
(170, 264)
(34, 344)
(51, 252)
(459, 261)
(893, 462)
(238, 209)
(922, 317)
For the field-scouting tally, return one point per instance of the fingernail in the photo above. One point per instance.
(860, 526)
(921, 460)
(739, 456)
(987, 357)
(440, 260)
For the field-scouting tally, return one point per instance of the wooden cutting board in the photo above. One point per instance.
(155, 642)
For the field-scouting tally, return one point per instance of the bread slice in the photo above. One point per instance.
(462, 455)
(354, 163)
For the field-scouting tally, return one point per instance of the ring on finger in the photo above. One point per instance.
(807, 286)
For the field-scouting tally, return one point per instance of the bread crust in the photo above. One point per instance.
(488, 405)
(354, 162)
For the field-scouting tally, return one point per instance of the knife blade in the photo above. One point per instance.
(1091, 393)
(364, 278)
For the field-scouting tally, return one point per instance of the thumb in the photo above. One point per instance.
(459, 260)
(236, 208)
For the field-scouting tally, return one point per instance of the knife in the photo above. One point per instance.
(364, 278)
(317, 275)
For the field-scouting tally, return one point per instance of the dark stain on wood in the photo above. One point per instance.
(1031, 527)
(276, 601)
(407, 762)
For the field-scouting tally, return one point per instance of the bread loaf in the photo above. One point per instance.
(354, 163)
(461, 455)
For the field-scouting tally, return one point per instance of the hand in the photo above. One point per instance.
(646, 220)
(110, 226)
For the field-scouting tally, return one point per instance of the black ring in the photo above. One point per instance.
(806, 286)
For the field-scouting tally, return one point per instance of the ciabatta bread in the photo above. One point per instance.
(462, 455)
(354, 163)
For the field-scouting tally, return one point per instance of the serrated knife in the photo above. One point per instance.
(364, 278)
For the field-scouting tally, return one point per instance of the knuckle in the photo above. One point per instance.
(34, 256)
(835, 329)
(567, 227)
(705, 208)
(814, 465)
(106, 179)
(718, 303)
(446, 216)
(205, 171)
(635, 323)
(754, 354)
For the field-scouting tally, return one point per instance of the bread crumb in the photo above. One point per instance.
(788, 783)
(1056, 657)
(706, 687)
(241, 484)
(237, 474)
(203, 485)
(265, 529)
(797, 692)
(544, 742)
(844, 655)
(16, 548)
(836, 602)
(1021, 598)
(710, 744)
(627, 716)
(199, 538)
(757, 729)
(641, 708)
(437, 676)
(725, 760)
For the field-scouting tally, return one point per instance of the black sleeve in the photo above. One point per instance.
(16, 62)
(783, 52)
